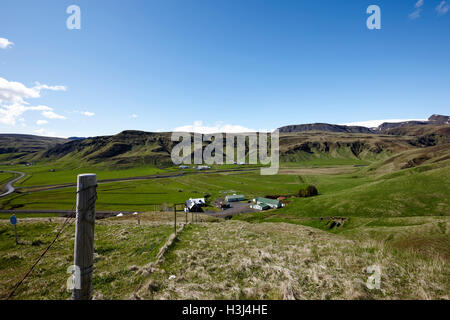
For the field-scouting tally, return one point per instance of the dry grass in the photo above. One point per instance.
(238, 260)
(158, 218)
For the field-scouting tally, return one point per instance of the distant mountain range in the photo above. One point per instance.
(297, 143)
(433, 120)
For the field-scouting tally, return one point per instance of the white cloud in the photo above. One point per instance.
(43, 132)
(5, 43)
(443, 8)
(52, 115)
(219, 127)
(376, 123)
(41, 122)
(134, 116)
(88, 114)
(419, 3)
(16, 92)
(13, 100)
(10, 113)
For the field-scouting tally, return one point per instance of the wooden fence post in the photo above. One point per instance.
(84, 236)
(175, 215)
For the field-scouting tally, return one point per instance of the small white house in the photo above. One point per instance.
(192, 203)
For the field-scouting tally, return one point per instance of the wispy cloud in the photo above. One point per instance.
(416, 13)
(5, 43)
(134, 116)
(40, 87)
(52, 115)
(85, 113)
(442, 8)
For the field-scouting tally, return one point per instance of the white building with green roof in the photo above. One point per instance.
(272, 203)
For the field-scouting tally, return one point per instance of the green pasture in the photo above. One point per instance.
(142, 195)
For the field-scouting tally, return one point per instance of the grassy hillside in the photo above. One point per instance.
(137, 148)
(17, 146)
(226, 260)
(419, 191)
(235, 260)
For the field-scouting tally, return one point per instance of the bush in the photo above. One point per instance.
(310, 191)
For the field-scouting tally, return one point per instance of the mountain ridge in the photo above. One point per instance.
(435, 119)
(132, 147)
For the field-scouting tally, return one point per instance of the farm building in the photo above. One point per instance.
(234, 198)
(260, 206)
(194, 205)
(272, 203)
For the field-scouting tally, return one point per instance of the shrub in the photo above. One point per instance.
(310, 191)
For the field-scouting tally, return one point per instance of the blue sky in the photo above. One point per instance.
(228, 64)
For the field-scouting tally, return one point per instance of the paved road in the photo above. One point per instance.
(10, 185)
(149, 177)
(236, 209)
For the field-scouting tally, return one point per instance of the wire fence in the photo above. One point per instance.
(178, 209)
(67, 223)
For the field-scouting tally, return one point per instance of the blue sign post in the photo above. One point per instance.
(13, 221)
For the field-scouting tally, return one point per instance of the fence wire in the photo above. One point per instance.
(67, 222)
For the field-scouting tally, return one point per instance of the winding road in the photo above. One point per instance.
(10, 185)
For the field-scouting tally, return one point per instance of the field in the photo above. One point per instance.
(142, 195)
(64, 173)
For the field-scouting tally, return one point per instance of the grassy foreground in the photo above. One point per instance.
(119, 248)
(238, 260)
(218, 259)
